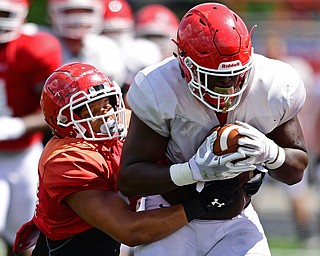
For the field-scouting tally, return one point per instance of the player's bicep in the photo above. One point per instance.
(143, 143)
(289, 135)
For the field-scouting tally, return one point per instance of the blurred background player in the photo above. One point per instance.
(77, 24)
(118, 20)
(137, 53)
(159, 24)
(299, 194)
(26, 60)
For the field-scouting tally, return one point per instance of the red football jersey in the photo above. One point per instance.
(25, 63)
(66, 166)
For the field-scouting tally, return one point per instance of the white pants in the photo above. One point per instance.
(18, 188)
(242, 235)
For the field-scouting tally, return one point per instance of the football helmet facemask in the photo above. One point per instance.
(73, 87)
(76, 18)
(215, 55)
(12, 16)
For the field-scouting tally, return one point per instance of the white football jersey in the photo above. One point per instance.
(139, 53)
(160, 97)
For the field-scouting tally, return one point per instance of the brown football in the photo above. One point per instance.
(227, 142)
(227, 139)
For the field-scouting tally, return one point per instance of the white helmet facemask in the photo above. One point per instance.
(113, 122)
(219, 99)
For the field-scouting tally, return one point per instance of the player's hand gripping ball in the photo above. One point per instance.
(227, 142)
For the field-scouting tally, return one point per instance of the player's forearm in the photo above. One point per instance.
(152, 225)
(292, 170)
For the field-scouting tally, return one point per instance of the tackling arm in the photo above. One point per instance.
(111, 214)
(105, 210)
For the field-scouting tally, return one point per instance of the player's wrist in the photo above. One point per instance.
(181, 174)
(278, 161)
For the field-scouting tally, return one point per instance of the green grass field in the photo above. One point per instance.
(289, 246)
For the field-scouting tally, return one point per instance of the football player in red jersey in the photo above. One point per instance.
(79, 211)
(215, 78)
(26, 60)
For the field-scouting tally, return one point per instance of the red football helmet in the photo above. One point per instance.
(75, 18)
(159, 24)
(14, 13)
(73, 87)
(213, 42)
(118, 16)
(157, 20)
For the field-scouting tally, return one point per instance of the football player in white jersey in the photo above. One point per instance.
(77, 24)
(137, 53)
(157, 23)
(215, 78)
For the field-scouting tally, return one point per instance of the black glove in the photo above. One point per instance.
(253, 185)
(214, 195)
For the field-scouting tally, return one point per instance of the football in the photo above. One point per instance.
(227, 142)
(227, 139)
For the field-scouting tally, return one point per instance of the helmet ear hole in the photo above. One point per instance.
(62, 119)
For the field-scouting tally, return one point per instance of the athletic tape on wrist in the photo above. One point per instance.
(281, 157)
(181, 174)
